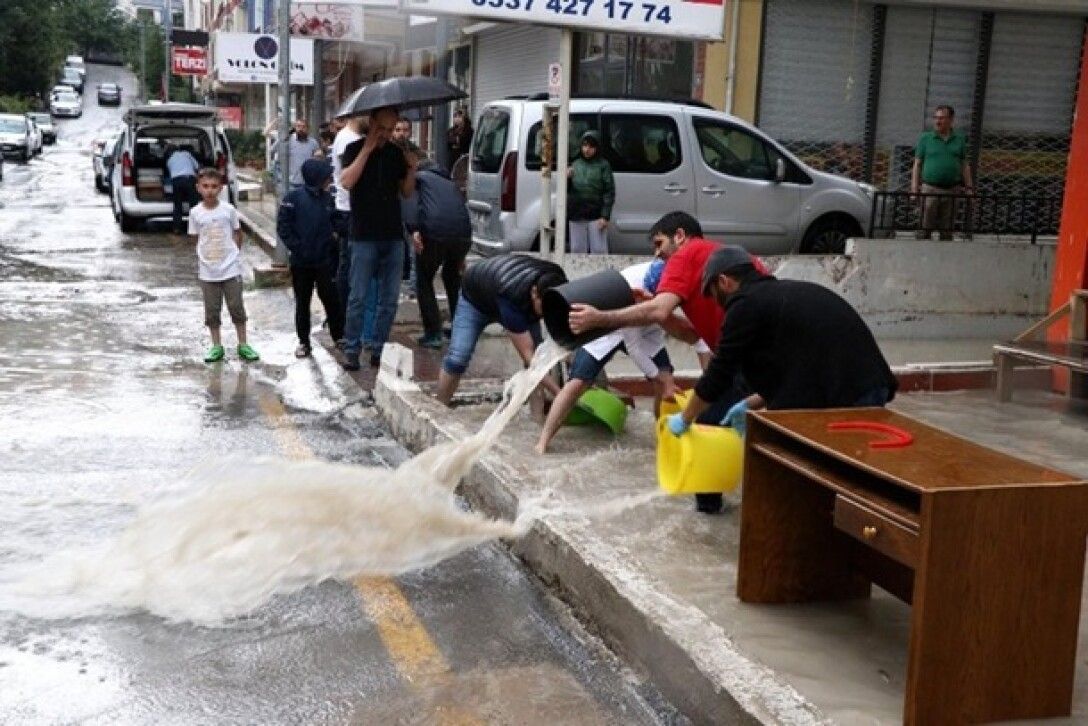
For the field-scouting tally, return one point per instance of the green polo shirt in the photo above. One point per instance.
(942, 160)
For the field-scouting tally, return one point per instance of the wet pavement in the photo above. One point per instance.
(105, 403)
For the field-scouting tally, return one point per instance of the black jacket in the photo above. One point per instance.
(437, 209)
(799, 345)
(304, 222)
(508, 276)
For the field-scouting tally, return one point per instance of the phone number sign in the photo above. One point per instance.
(700, 19)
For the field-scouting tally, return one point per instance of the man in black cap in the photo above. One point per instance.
(798, 344)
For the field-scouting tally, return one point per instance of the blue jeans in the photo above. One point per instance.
(374, 265)
(465, 331)
(342, 225)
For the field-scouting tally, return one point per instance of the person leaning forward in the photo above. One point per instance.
(505, 289)
(798, 345)
(376, 174)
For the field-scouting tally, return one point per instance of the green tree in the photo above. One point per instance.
(31, 47)
(87, 25)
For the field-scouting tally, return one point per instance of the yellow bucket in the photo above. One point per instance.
(705, 460)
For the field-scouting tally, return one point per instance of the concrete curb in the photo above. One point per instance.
(266, 241)
(688, 657)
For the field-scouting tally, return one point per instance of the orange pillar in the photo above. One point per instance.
(1071, 266)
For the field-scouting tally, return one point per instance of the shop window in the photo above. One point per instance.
(640, 143)
(613, 64)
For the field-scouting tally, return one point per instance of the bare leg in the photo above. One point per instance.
(561, 406)
(240, 328)
(217, 339)
(447, 386)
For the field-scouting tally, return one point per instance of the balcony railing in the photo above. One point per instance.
(971, 214)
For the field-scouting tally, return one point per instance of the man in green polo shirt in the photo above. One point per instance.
(940, 168)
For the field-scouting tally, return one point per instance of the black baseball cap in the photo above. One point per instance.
(721, 261)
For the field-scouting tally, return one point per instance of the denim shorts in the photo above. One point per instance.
(585, 367)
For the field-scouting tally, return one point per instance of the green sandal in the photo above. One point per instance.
(246, 353)
(215, 354)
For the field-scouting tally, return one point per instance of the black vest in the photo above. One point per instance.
(508, 276)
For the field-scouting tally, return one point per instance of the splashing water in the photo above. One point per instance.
(251, 529)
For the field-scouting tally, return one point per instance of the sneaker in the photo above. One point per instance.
(351, 364)
(303, 351)
(246, 353)
(215, 354)
(431, 341)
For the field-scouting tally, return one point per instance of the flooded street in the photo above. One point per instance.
(105, 405)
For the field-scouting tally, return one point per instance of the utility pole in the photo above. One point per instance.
(143, 60)
(168, 27)
(279, 258)
(317, 105)
(442, 111)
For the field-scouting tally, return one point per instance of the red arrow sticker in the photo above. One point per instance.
(893, 436)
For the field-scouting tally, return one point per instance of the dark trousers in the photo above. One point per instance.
(304, 280)
(450, 256)
(341, 224)
(184, 193)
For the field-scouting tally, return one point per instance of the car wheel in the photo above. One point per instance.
(25, 156)
(828, 235)
(128, 224)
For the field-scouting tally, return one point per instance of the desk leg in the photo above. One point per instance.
(996, 605)
(789, 549)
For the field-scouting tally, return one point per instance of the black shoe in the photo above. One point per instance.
(375, 360)
(708, 503)
(351, 364)
(303, 351)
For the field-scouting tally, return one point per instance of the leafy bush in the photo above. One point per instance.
(248, 147)
(15, 104)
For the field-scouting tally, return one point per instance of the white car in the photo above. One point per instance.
(139, 189)
(742, 185)
(59, 89)
(16, 137)
(45, 122)
(66, 104)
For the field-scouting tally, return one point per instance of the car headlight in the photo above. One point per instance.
(867, 188)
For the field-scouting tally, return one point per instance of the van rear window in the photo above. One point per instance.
(489, 143)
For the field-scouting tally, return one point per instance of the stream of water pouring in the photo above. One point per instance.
(250, 529)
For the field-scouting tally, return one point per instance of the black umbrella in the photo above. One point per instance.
(400, 93)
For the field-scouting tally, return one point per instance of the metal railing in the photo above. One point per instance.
(967, 214)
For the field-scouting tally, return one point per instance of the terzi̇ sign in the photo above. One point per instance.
(253, 58)
(703, 19)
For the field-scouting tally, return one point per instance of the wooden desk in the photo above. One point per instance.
(989, 551)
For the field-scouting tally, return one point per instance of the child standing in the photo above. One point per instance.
(592, 192)
(218, 251)
(304, 224)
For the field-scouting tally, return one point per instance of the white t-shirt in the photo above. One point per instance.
(218, 255)
(642, 343)
(344, 137)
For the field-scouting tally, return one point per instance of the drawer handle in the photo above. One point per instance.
(868, 532)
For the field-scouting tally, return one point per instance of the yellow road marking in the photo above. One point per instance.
(409, 645)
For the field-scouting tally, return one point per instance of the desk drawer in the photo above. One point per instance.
(883, 535)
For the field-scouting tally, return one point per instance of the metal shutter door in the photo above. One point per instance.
(512, 61)
(815, 74)
(1029, 103)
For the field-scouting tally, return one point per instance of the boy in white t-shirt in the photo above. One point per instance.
(218, 250)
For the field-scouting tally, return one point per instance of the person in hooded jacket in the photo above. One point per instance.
(505, 289)
(441, 232)
(305, 226)
(590, 196)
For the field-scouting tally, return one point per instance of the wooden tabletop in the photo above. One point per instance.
(935, 461)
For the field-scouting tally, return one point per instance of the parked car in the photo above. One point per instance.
(59, 89)
(37, 142)
(139, 189)
(45, 123)
(109, 94)
(743, 186)
(66, 104)
(16, 136)
(72, 77)
(76, 62)
(102, 150)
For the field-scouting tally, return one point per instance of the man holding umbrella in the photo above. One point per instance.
(377, 174)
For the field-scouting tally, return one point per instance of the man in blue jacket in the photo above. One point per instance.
(441, 232)
(304, 224)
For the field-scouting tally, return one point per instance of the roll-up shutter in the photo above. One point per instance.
(512, 60)
(1029, 103)
(815, 76)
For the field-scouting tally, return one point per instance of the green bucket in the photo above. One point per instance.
(598, 406)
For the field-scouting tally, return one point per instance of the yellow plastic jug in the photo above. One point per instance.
(705, 460)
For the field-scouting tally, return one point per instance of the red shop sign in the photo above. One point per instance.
(190, 61)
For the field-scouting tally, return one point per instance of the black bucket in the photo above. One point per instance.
(605, 290)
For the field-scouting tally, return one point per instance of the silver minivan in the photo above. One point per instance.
(139, 186)
(740, 184)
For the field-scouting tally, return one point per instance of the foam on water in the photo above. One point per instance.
(246, 530)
